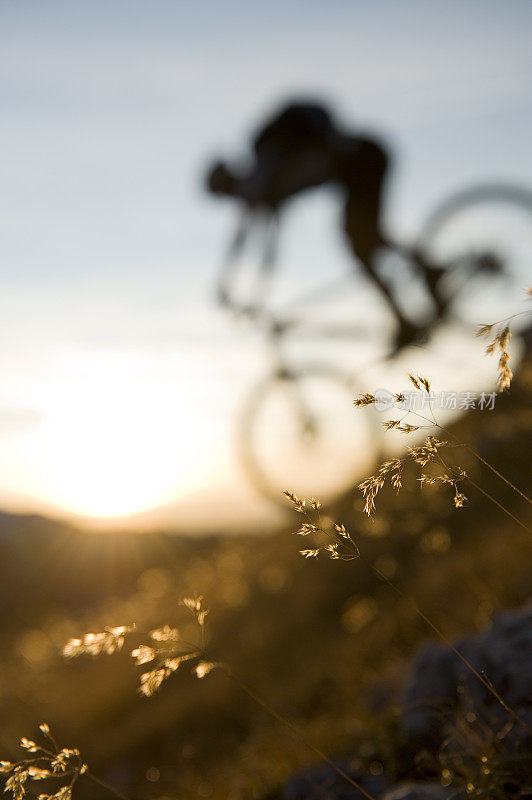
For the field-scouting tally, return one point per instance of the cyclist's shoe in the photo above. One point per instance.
(490, 263)
(408, 334)
(433, 276)
(443, 306)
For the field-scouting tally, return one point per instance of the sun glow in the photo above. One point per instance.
(120, 436)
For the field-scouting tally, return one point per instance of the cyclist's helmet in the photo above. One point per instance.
(296, 125)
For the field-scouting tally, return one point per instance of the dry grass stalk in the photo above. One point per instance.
(334, 529)
(165, 650)
(50, 763)
(499, 344)
(341, 546)
(168, 651)
(392, 469)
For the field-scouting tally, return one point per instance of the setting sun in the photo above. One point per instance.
(118, 436)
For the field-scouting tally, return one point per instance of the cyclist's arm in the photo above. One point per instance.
(267, 264)
(228, 270)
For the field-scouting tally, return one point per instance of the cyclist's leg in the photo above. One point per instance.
(430, 273)
(361, 225)
(268, 260)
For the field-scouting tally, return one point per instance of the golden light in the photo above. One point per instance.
(120, 437)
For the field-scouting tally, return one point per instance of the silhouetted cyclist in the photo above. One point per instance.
(301, 148)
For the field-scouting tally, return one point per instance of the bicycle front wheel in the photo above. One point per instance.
(300, 431)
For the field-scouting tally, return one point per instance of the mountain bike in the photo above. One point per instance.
(297, 428)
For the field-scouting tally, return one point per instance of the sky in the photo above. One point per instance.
(121, 380)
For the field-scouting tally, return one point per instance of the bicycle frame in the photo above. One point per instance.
(278, 325)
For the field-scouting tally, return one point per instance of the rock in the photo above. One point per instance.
(450, 716)
(443, 691)
(430, 696)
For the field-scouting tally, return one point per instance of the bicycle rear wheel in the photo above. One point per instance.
(300, 431)
(482, 235)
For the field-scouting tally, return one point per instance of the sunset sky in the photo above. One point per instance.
(120, 378)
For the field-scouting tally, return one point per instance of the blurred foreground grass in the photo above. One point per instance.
(326, 643)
